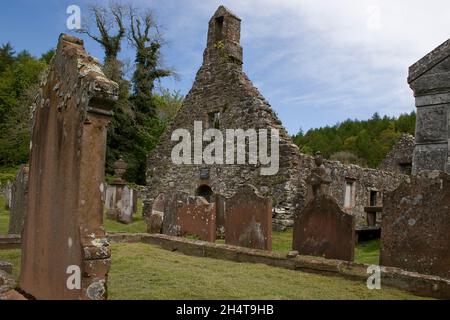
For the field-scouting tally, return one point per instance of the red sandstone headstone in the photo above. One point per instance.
(415, 231)
(64, 222)
(248, 219)
(197, 218)
(322, 228)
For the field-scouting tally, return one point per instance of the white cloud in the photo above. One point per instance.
(356, 51)
(351, 55)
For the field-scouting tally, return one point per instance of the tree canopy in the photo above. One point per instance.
(359, 142)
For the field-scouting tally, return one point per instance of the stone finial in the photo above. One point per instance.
(120, 167)
(319, 179)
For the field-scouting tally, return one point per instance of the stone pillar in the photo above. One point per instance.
(429, 78)
(64, 240)
(120, 197)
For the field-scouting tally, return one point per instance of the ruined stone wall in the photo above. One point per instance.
(365, 180)
(222, 87)
(399, 159)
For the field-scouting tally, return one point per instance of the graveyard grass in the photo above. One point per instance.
(142, 271)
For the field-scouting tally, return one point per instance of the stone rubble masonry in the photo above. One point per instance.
(429, 78)
(64, 222)
(399, 159)
(416, 225)
(248, 219)
(19, 200)
(221, 87)
(365, 181)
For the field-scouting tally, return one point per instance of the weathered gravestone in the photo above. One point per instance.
(187, 215)
(121, 200)
(248, 219)
(173, 202)
(64, 238)
(7, 194)
(197, 218)
(415, 232)
(220, 201)
(155, 220)
(322, 228)
(19, 200)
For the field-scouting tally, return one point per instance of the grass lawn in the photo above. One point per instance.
(142, 271)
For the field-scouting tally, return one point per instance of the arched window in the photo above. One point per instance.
(204, 191)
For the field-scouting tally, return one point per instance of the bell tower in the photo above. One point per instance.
(224, 36)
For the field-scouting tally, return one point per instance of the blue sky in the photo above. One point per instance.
(317, 62)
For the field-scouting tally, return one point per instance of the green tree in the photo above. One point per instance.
(18, 87)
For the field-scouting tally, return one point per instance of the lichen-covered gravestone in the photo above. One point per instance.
(19, 199)
(415, 232)
(173, 201)
(248, 219)
(65, 254)
(155, 220)
(322, 228)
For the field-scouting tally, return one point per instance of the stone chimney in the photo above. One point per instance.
(224, 38)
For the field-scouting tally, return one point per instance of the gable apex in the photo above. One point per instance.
(223, 11)
(429, 61)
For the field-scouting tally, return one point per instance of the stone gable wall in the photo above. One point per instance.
(222, 86)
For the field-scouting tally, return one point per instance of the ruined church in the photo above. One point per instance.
(223, 98)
